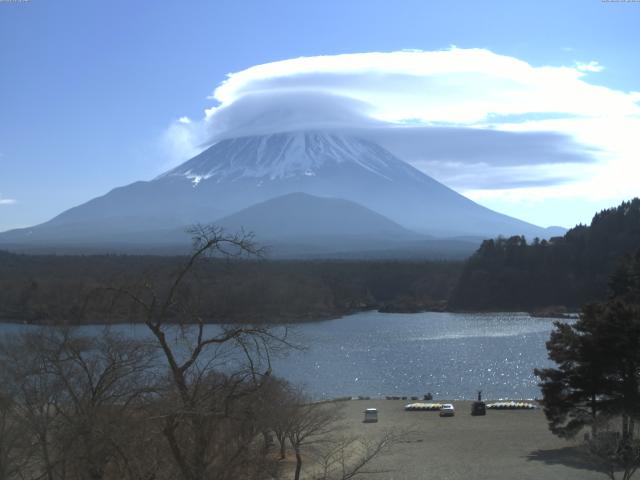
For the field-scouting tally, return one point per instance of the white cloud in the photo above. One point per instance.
(185, 120)
(7, 201)
(592, 66)
(462, 86)
(473, 90)
(615, 176)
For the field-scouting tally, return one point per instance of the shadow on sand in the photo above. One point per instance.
(574, 457)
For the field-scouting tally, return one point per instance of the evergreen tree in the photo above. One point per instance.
(597, 378)
(574, 392)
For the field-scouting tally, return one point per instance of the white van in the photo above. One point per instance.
(371, 415)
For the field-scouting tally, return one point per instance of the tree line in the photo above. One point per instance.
(513, 274)
(62, 289)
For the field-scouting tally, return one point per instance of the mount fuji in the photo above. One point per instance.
(400, 203)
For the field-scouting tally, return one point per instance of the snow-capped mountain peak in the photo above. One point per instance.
(283, 156)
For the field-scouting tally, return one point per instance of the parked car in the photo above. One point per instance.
(447, 410)
(371, 415)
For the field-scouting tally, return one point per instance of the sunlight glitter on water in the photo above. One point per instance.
(449, 355)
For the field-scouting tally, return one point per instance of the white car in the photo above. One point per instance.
(447, 410)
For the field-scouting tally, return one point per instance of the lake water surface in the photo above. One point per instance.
(451, 355)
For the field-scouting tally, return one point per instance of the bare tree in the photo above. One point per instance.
(35, 395)
(103, 377)
(210, 369)
(13, 440)
(278, 405)
(310, 424)
(347, 457)
(73, 398)
(617, 450)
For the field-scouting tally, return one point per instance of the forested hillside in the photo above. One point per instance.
(510, 274)
(75, 289)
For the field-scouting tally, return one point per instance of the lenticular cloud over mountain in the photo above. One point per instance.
(398, 98)
(262, 113)
(462, 86)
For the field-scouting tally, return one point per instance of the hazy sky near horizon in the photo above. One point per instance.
(529, 108)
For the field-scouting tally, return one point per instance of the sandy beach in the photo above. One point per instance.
(513, 444)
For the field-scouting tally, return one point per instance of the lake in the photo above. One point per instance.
(451, 355)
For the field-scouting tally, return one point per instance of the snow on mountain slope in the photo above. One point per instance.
(286, 155)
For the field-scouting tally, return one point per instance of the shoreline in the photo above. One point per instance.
(414, 399)
(287, 320)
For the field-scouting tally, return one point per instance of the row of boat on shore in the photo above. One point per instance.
(435, 406)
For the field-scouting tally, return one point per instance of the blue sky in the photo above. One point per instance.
(91, 92)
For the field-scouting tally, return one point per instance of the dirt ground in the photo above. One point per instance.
(503, 444)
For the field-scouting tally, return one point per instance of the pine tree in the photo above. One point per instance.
(597, 378)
